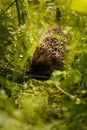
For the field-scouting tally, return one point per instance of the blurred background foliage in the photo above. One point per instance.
(59, 103)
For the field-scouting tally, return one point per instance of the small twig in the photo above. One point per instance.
(71, 96)
(7, 8)
(18, 12)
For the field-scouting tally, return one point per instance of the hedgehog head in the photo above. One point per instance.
(39, 71)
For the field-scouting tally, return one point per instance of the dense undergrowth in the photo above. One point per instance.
(59, 103)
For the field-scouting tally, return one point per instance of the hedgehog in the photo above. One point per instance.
(48, 55)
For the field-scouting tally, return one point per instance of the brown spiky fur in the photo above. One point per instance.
(49, 54)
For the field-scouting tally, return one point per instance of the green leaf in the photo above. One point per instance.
(79, 5)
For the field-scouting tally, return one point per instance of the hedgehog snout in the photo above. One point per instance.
(28, 71)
